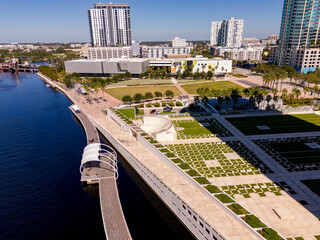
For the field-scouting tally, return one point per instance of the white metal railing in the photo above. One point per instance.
(95, 152)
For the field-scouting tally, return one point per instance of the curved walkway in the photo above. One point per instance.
(114, 222)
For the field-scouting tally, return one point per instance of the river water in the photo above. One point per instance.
(41, 196)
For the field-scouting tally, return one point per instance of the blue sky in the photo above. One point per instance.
(67, 21)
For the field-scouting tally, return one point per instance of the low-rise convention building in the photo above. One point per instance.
(89, 67)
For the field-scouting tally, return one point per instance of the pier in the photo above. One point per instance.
(99, 166)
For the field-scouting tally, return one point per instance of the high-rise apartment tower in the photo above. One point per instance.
(299, 27)
(110, 24)
(227, 33)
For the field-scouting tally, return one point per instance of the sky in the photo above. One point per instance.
(151, 20)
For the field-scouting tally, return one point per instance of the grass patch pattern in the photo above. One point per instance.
(199, 156)
(256, 188)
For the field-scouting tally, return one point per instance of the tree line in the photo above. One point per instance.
(138, 97)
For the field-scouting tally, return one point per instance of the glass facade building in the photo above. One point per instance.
(110, 24)
(299, 27)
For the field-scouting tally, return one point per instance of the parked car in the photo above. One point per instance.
(153, 111)
(167, 109)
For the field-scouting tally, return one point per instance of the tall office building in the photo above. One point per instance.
(110, 24)
(227, 33)
(299, 26)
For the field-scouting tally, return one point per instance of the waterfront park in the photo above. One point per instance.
(247, 147)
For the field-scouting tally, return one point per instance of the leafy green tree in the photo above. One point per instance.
(67, 81)
(209, 74)
(148, 95)
(169, 93)
(138, 97)
(158, 94)
(127, 99)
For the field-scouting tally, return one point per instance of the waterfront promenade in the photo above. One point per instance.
(211, 211)
(98, 172)
(195, 207)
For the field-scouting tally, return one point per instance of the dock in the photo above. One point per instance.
(105, 174)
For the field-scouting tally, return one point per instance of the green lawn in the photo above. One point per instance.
(277, 124)
(313, 185)
(128, 112)
(141, 81)
(192, 88)
(194, 129)
(120, 92)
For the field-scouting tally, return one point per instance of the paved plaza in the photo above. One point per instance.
(239, 167)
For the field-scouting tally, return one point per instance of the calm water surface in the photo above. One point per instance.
(41, 197)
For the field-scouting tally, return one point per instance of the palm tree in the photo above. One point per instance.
(305, 90)
(235, 97)
(205, 100)
(259, 99)
(220, 101)
(275, 92)
(316, 89)
(291, 97)
(246, 92)
(196, 102)
(268, 99)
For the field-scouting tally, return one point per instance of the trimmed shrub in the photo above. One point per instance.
(176, 160)
(170, 155)
(253, 221)
(193, 173)
(184, 166)
(238, 209)
(213, 189)
(224, 198)
(270, 234)
(202, 180)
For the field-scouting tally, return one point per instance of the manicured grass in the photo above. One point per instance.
(224, 198)
(202, 180)
(194, 129)
(128, 112)
(270, 234)
(213, 189)
(192, 88)
(253, 221)
(238, 209)
(313, 185)
(131, 91)
(140, 81)
(277, 124)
